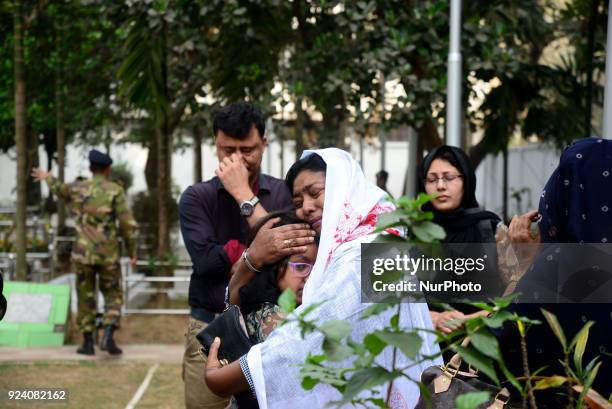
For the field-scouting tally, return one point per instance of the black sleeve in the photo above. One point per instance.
(207, 254)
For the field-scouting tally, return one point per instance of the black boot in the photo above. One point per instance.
(88, 344)
(108, 343)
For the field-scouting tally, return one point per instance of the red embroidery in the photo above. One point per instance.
(353, 225)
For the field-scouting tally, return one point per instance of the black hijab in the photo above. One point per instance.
(2, 299)
(262, 288)
(462, 224)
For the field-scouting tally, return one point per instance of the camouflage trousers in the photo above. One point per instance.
(109, 282)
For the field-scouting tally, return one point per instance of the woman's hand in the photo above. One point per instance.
(447, 321)
(274, 243)
(519, 230)
(212, 370)
(223, 380)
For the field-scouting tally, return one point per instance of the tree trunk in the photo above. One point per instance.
(60, 134)
(197, 154)
(591, 27)
(21, 143)
(151, 167)
(164, 174)
(478, 152)
(163, 191)
(33, 192)
(299, 129)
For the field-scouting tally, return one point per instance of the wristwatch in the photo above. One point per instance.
(247, 207)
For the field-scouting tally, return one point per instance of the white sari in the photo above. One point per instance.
(349, 217)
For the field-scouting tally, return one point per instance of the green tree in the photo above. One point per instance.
(20, 138)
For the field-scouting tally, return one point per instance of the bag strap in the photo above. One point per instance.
(456, 361)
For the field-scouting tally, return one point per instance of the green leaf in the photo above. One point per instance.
(389, 219)
(510, 376)
(308, 383)
(556, 327)
(366, 379)
(479, 361)
(315, 359)
(580, 341)
(335, 330)
(591, 375)
(335, 350)
(550, 382)
(497, 320)
(407, 342)
(427, 231)
(471, 400)
(287, 301)
(310, 308)
(394, 321)
(375, 309)
(374, 344)
(486, 343)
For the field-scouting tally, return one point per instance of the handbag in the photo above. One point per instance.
(235, 342)
(445, 383)
(231, 328)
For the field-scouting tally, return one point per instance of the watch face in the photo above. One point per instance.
(246, 209)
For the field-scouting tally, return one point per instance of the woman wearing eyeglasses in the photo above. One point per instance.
(447, 173)
(258, 298)
(258, 295)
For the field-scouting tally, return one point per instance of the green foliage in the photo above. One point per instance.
(122, 174)
(482, 353)
(471, 400)
(287, 301)
(412, 220)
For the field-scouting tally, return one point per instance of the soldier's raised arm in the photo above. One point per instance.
(127, 224)
(55, 186)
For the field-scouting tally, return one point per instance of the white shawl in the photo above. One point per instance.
(349, 216)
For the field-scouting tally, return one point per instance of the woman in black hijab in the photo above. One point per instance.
(447, 173)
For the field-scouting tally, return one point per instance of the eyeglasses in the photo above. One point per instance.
(300, 269)
(433, 180)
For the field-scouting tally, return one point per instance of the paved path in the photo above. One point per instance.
(172, 354)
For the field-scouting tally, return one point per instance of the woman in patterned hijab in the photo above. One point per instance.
(574, 282)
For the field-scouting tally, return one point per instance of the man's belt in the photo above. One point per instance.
(202, 314)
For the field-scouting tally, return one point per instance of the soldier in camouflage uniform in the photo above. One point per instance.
(101, 214)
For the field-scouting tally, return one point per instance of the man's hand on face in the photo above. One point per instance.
(273, 243)
(235, 177)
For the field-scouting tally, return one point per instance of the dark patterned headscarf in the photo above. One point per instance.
(575, 207)
(576, 204)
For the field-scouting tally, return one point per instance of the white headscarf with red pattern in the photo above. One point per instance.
(351, 207)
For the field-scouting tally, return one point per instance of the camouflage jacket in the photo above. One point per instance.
(101, 214)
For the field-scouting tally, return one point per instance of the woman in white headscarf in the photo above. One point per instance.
(330, 192)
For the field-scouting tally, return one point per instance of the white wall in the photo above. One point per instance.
(529, 167)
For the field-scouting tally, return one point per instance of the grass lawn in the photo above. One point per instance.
(94, 385)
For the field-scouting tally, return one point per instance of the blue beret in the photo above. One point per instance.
(98, 158)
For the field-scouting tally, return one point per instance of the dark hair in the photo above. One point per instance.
(264, 286)
(461, 161)
(448, 156)
(95, 168)
(312, 162)
(383, 174)
(236, 120)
